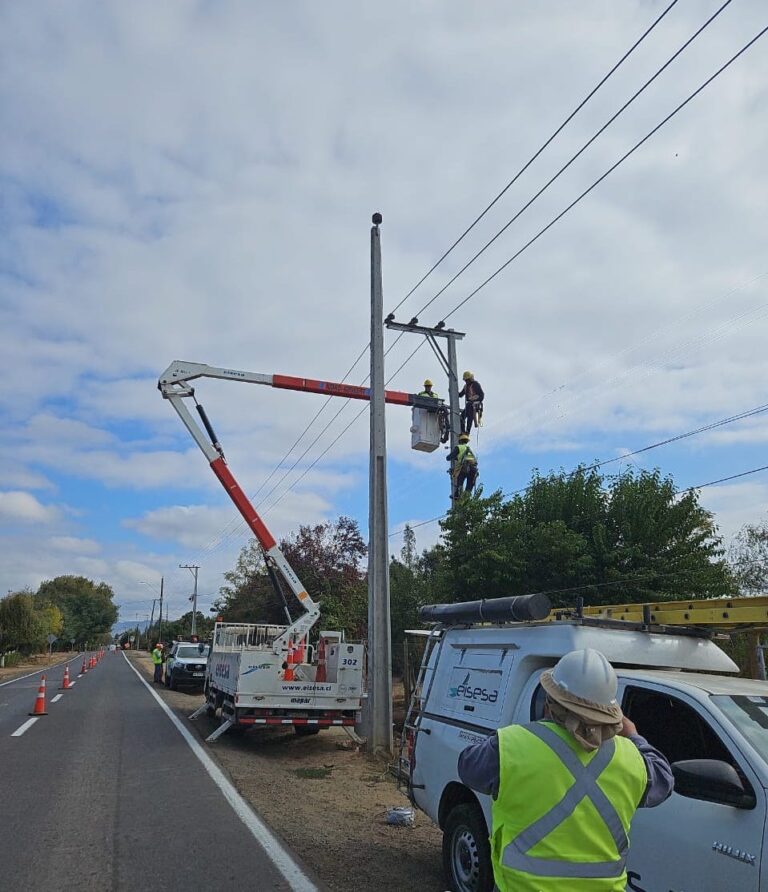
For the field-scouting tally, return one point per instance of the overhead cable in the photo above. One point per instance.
(538, 152)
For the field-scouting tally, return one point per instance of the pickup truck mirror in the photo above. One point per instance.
(713, 781)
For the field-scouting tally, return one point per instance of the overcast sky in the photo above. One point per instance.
(195, 180)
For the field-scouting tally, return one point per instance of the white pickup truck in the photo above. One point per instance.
(712, 726)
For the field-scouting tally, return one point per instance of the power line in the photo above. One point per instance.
(575, 156)
(593, 467)
(608, 172)
(538, 152)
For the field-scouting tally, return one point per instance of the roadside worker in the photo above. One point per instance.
(473, 403)
(565, 789)
(428, 390)
(157, 659)
(464, 466)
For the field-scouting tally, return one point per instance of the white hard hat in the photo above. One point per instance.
(588, 675)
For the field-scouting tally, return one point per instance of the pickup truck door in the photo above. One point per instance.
(686, 844)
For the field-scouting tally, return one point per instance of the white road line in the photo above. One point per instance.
(73, 683)
(56, 698)
(294, 875)
(22, 728)
(47, 669)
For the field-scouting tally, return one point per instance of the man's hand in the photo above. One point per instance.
(628, 727)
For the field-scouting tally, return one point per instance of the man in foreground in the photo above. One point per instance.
(565, 789)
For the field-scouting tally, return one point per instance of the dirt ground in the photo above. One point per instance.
(32, 664)
(326, 799)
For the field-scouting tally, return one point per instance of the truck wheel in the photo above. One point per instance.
(466, 853)
(306, 730)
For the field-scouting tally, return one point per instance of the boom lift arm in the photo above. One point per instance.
(175, 387)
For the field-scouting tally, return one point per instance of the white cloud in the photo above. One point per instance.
(23, 507)
(75, 545)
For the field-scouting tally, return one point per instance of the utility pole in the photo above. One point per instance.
(448, 363)
(160, 621)
(379, 635)
(151, 620)
(193, 568)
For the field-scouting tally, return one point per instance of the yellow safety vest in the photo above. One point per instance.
(157, 656)
(464, 454)
(561, 819)
(432, 395)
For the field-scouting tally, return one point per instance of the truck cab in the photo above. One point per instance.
(682, 693)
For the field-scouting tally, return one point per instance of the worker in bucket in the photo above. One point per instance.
(157, 660)
(464, 466)
(428, 390)
(473, 403)
(565, 789)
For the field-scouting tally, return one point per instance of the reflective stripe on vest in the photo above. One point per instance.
(547, 837)
(433, 395)
(585, 785)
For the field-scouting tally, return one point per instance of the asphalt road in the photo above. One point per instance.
(104, 792)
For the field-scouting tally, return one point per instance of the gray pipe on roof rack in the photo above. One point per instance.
(515, 608)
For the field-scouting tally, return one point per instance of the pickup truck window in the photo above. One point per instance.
(672, 726)
(750, 716)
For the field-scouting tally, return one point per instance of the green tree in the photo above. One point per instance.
(22, 627)
(87, 607)
(626, 538)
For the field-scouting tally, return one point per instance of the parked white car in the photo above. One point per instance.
(709, 835)
(185, 665)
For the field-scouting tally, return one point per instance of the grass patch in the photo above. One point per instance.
(313, 773)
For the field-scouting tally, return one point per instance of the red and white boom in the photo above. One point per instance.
(175, 387)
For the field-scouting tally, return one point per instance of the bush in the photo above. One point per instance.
(12, 659)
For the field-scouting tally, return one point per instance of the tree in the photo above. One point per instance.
(87, 607)
(22, 627)
(626, 538)
(748, 557)
(326, 557)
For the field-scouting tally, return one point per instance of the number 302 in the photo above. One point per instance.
(348, 661)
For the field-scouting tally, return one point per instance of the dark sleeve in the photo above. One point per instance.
(480, 391)
(452, 454)
(479, 766)
(463, 389)
(660, 779)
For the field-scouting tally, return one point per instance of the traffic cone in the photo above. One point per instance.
(288, 674)
(85, 668)
(320, 674)
(92, 663)
(40, 699)
(65, 684)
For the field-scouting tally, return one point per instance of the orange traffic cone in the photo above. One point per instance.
(92, 663)
(40, 699)
(65, 684)
(320, 674)
(84, 668)
(288, 674)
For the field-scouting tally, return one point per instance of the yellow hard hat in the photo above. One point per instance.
(463, 438)
(427, 383)
(467, 376)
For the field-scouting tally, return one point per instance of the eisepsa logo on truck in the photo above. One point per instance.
(465, 691)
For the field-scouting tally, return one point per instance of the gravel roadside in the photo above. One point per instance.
(35, 664)
(326, 799)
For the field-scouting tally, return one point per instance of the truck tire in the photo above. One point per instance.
(466, 853)
(306, 730)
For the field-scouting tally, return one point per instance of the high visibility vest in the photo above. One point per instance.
(561, 819)
(433, 395)
(464, 454)
(157, 657)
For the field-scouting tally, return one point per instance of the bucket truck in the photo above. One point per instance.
(266, 674)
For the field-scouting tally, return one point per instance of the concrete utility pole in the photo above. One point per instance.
(193, 568)
(379, 636)
(160, 620)
(151, 621)
(448, 363)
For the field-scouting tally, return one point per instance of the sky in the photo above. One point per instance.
(195, 180)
